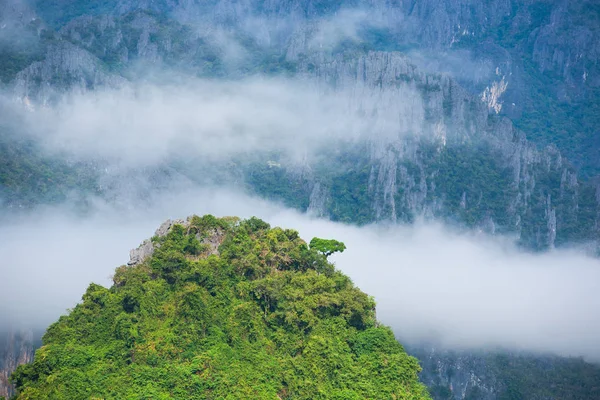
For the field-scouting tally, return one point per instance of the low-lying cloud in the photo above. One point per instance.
(462, 291)
(144, 124)
(346, 25)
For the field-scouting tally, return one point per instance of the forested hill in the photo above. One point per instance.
(221, 308)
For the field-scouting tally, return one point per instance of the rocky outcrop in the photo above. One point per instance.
(138, 255)
(210, 238)
(559, 36)
(146, 249)
(567, 45)
(546, 55)
(416, 124)
(454, 375)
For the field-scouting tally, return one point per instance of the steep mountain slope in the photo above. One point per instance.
(508, 375)
(432, 147)
(28, 175)
(546, 55)
(538, 58)
(442, 155)
(216, 308)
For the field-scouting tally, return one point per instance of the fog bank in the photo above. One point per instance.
(463, 291)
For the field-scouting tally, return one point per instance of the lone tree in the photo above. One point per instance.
(327, 246)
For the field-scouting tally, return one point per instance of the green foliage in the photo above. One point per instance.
(265, 318)
(28, 177)
(526, 377)
(350, 198)
(475, 173)
(512, 375)
(327, 246)
(467, 184)
(549, 114)
(274, 182)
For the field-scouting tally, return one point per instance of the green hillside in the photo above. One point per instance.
(223, 309)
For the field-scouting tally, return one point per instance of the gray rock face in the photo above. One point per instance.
(561, 33)
(318, 201)
(146, 249)
(407, 111)
(165, 227)
(16, 348)
(458, 375)
(65, 68)
(558, 36)
(141, 41)
(15, 13)
(542, 56)
(561, 36)
(405, 108)
(213, 239)
(568, 46)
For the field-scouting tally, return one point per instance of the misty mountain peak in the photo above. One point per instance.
(223, 307)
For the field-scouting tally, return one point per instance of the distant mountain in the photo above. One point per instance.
(456, 160)
(540, 56)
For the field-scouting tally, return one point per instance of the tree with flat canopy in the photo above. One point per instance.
(327, 246)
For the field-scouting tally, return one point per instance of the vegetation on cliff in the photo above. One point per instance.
(223, 309)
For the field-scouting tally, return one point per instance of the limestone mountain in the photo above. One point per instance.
(222, 308)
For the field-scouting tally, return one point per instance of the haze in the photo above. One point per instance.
(431, 283)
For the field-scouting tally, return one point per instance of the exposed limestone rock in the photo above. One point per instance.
(65, 68)
(16, 348)
(15, 14)
(212, 238)
(465, 375)
(491, 95)
(386, 87)
(137, 256)
(146, 249)
(165, 227)
(318, 201)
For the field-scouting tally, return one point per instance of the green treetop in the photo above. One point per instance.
(327, 246)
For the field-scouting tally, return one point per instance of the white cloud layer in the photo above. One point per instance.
(430, 283)
(145, 124)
